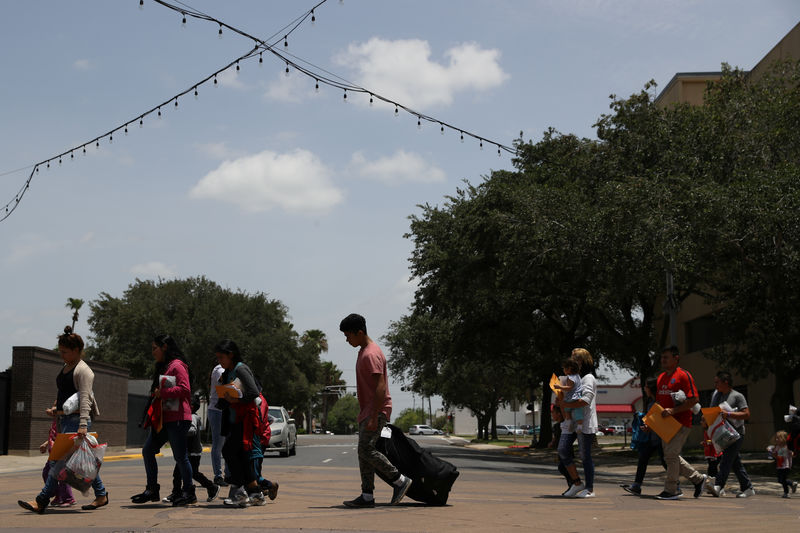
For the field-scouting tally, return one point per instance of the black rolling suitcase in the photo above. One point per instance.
(432, 477)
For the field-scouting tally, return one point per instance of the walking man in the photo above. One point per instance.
(375, 409)
(739, 414)
(671, 383)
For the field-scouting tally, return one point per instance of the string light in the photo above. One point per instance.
(285, 41)
(260, 47)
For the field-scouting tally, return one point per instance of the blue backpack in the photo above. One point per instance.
(639, 436)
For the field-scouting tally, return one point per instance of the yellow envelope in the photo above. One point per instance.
(555, 381)
(710, 414)
(63, 444)
(665, 427)
(224, 390)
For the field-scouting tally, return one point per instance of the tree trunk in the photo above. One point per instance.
(546, 424)
(782, 397)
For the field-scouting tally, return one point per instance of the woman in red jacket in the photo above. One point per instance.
(171, 395)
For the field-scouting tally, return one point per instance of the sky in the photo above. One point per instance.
(266, 185)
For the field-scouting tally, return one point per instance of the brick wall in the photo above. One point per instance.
(33, 389)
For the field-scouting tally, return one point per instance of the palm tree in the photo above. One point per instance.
(315, 338)
(74, 304)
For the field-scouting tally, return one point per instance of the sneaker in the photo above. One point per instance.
(699, 487)
(632, 489)
(585, 493)
(794, 487)
(359, 502)
(785, 495)
(237, 497)
(219, 480)
(171, 498)
(186, 498)
(747, 493)
(574, 490)
(715, 490)
(213, 492)
(257, 498)
(400, 491)
(668, 496)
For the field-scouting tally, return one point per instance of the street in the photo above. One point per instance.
(495, 490)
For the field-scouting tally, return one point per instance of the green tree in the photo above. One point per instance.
(343, 417)
(199, 313)
(75, 304)
(409, 417)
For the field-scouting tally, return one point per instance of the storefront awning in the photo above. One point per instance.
(614, 408)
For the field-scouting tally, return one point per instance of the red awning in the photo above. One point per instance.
(614, 408)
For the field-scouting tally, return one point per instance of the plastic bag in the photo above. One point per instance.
(80, 466)
(722, 433)
(71, 404)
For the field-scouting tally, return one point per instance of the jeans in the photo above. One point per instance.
(217, 442)
(645, 453)
(566, 457)
(175, 432)
(730, 460)
(68, 424)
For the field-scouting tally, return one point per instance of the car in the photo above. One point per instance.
(284, 432)
(507, 429)
(618, 430)
(422, 429)
(605, 430)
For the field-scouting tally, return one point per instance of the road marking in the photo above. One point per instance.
(345, 453)
(327, 460)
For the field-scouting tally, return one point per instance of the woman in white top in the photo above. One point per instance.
(584, 435)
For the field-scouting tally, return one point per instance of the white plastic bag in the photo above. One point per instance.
(81, 466)
(722, 433)
(71, 404)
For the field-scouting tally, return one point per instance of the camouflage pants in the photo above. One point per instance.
(370, 459)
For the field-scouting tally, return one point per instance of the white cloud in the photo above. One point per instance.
(296, 182)
(402, 70)
(292, 88)
(219, 150)
(153, 269)
(401, 167)
(81, 64)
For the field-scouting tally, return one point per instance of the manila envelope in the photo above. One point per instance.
(63, 444)
(555, 381)
(710, 414)
(665, 427)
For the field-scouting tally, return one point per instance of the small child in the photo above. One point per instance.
(195, 451)
(64, 492)
(571, 388)
(783, 461)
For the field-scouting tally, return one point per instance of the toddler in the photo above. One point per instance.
(570, 387)
(783, 461)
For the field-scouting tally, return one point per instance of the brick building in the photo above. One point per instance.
(33, 389)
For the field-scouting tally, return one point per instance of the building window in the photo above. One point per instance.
(703, 333)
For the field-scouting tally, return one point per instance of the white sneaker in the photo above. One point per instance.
(257, 498)
(747, 493)
(715, 490)
(574, 490)
(585, 493)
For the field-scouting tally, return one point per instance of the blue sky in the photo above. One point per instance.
(264, 184)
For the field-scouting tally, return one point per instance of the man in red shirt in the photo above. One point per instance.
(375, 409)
(671, 383)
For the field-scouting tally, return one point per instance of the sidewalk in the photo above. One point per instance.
(23, 463)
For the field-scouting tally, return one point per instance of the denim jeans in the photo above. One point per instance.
(731, 460)
(566, 457)
(68, 424)
(645, 452)
(175, 432)
(217, 442)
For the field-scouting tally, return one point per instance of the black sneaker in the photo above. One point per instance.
(632, 489)
(213, 492)
(668, 496)
(187, 498)
(359, 503)
(221, 481)
(400, 492)
(700, 487)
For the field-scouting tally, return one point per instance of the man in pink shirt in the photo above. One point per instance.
(375, 409)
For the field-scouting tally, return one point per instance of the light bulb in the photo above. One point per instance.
(285, 41)
(345, 95)
(237, 66)
(396, 111)
(220, 31)
(184, 20)
(141, 4)
(316, 86)
(260, 58)
(313, 17)
(141, 122)
(110, 139)
(215, 80)
(441, 129)
(159, 111)
(370, 100)
(195, 92)
(419, 123)
(176, 102)
(287, 68)
(126, 129)
(462, 136)
(498, 150)
(481, 144)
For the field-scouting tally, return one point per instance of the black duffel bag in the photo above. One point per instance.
(432, 478)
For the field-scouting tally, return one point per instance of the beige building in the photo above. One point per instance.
(695, 324)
